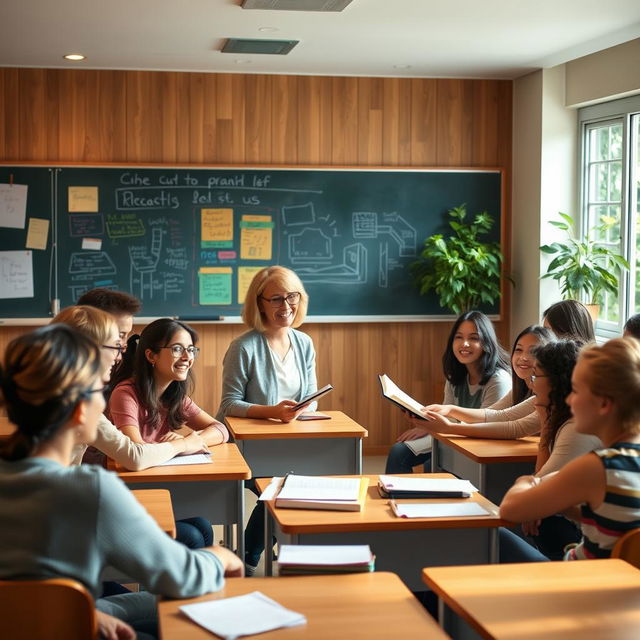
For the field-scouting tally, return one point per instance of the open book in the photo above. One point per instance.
(318, 492)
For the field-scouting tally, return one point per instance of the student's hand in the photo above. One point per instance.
(531, 528)
(111, 628)
(172, 435)
(285, 412)
(193, 443)
(413, 434)
(437, 421)
(442, 409)
(233, 566)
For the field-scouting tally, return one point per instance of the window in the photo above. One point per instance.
(610, 184)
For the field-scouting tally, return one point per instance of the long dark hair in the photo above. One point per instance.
(519, 389)
(558, 360)
(570, 320)
(45, 374)
(136, 365)
(493, 355)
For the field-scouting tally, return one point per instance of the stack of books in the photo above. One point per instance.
(322, 559)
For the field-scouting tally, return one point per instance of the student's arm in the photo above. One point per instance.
(531, 498)
(208, 428)
(496, 387)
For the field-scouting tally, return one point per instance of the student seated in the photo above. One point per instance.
(151, 399)
(570, 320)
(62, 521)
(599, 490)
(477, 375)
(122, 306)
(269, 369)
(632, 327)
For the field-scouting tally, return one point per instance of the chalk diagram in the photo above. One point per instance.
(87, 269)
(311, 243)
(143, 264)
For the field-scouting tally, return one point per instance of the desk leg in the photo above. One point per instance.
(268, 543)
(441, 612)
(494, 545)
(434, 456)
(358, 453)
(240, 519)
(482, 479)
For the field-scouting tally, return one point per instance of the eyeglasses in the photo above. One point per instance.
(277, 301)
(177, 350)
(534, 376)
(119, 348)
(103, 390)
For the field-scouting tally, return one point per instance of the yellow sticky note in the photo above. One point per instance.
(217, 227)
(256, 237)
(245, 276)
(83, 199)
(37, 234)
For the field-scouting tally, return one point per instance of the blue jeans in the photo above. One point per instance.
(137, 609)
(194, 533)
(402, 460)
(513, 548)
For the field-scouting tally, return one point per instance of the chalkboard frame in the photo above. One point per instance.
(278, 168)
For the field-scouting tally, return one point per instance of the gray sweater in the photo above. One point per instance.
(249, 375)
(73, 521)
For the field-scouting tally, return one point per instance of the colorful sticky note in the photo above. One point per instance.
(83, 200)
(256, 237)
(215, 285)
(216, 228)
(37, 234)
(245, 276)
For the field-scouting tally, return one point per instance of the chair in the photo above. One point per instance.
(47, 610)
(628, 548)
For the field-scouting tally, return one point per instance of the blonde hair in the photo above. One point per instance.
(93, 322)
(281, 277)
(613, 371)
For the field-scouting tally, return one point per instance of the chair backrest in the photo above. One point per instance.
(628, 548)
(46, 610)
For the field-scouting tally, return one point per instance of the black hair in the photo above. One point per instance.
(45, 373)
(570, 320)
(558, 360)
(136, 365)
(519, 389)
(111, 301)
(632, 326)
(493, 357)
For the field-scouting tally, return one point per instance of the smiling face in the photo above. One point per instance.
(167, 366)
(467, 345)
(586, 407)
(521, 360)
(278, 313)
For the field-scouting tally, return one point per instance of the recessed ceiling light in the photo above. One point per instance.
(268, 29)
(75, 57)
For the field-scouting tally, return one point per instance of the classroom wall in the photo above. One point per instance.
(179, 118)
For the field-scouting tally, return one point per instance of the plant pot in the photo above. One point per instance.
(594, 311)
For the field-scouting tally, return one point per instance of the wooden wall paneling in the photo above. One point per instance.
(168, 118)
(309, 119)
(3, 113)
(33, 140)
(344, 119)
(12, 118)
(258, 119)
(196, 118)
(183, 123)
(284, 120)
(72, 115)
(485, 123)
(423, 134)
(144, 104)
(209, 117)
(52, 118)
(239, 127)
(450, 119)
(370, 105)
(396, 125)
(325, 89)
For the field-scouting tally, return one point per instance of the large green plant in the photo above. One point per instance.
(582, 266)
(461, 269)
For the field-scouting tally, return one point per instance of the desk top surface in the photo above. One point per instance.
(157, 502)
(377, 514)
(375, 606)
(226, 463)
(339, 426)
(488, 450)
(579, 599)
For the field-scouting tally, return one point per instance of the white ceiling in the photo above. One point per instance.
(459, 38)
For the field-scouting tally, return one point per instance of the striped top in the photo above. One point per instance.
(620, 510)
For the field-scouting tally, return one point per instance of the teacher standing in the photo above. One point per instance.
(269, 369)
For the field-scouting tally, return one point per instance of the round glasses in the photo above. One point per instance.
(177, 350)
(119, 348)
(277, 301)
(534, 376)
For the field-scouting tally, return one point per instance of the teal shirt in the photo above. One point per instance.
(249, 375)
(72, 522)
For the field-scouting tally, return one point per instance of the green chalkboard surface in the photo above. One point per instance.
(187, 241)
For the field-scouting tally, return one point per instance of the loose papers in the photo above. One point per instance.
(194, 458)
(244, 615)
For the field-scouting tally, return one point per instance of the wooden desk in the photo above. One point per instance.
(401, 545)
(6, 427)
(157, 502)
(368, 606)
(551, 600)
(312, 447)
(214, 490)
(491, 465)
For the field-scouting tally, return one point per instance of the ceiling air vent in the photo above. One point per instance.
(271, 47)
(296, 5)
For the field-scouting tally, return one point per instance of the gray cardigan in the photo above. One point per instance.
(249, 375)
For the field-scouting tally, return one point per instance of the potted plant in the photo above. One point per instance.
(583, 267)
(462, 269)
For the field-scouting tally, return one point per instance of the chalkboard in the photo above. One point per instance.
(187, 241)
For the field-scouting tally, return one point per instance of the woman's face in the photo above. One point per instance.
(94, 405)
(278, 306)
(169, 364)
(110, 353)
(585, 406)
(467, 345)
(540, 386)
(521, 359)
